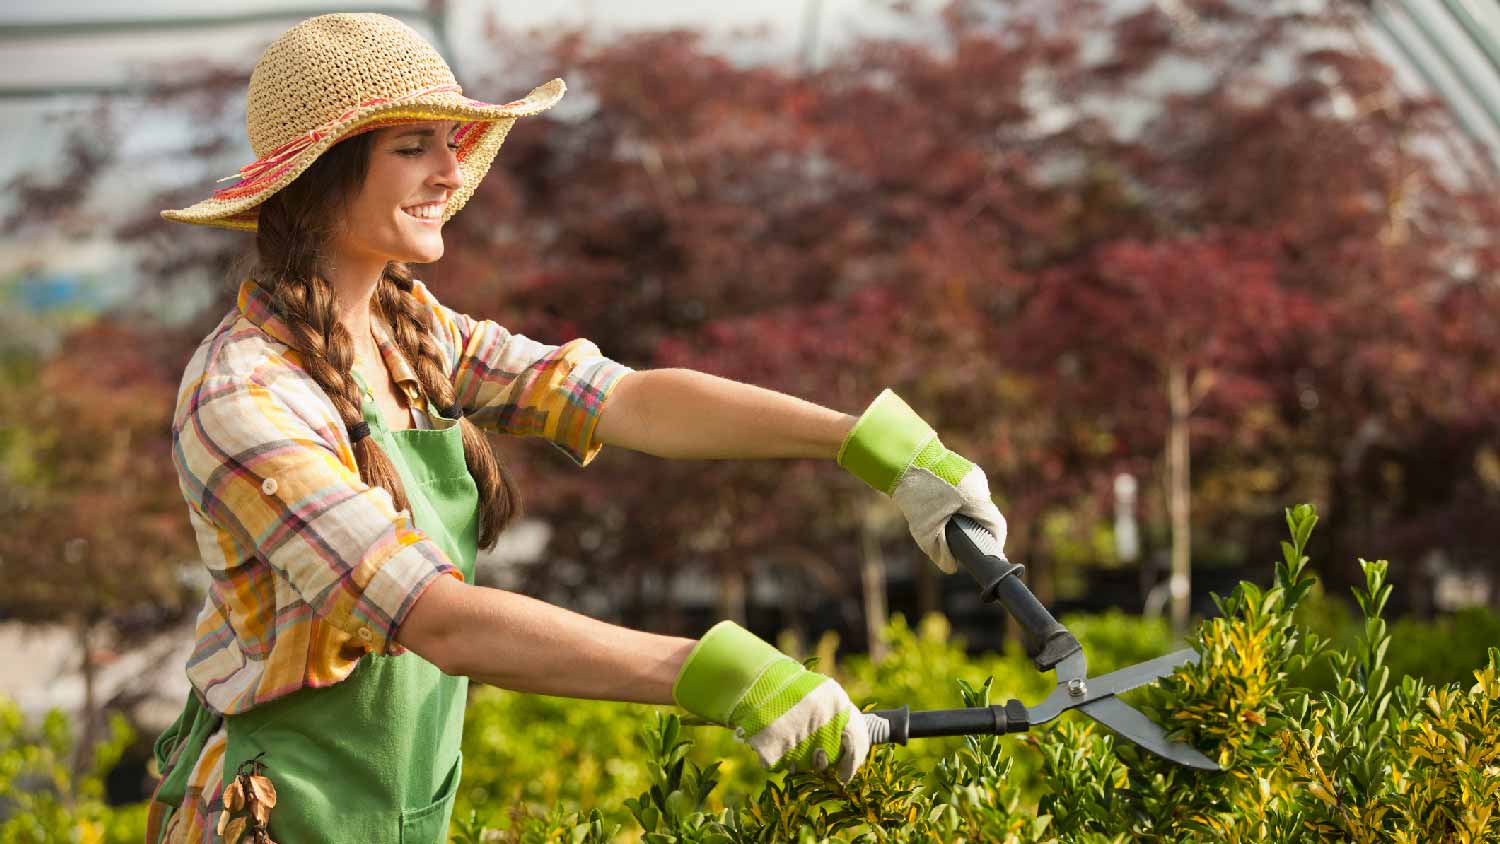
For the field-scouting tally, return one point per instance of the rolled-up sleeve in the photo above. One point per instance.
(512, 384)
(277, 491)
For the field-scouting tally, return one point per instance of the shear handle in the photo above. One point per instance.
(895, 726)
(1047, 641)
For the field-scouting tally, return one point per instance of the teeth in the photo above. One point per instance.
(426, 212)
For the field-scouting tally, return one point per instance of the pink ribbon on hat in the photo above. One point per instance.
(277, 160)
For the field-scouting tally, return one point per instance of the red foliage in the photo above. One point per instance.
(1016, 226)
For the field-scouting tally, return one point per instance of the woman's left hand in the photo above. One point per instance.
(893, 450)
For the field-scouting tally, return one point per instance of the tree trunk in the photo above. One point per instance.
(667, 604)
(1179, 493)
(84, 750)
(791, 610)
(927, 585)
(634, 610)
(1042, 578)
(732, 596)
(872, 579)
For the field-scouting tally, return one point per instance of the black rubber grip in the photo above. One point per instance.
(977, 550)
(974, 721)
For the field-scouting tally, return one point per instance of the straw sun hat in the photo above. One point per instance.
(333, 76)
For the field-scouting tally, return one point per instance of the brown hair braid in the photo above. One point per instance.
(296, 225)
(499, 501)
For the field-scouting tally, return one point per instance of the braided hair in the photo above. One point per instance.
(296, 226)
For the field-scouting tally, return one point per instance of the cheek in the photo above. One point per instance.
(383, 211)
(385, 182)
(390, 182)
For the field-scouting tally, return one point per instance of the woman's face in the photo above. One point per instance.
(397, 214)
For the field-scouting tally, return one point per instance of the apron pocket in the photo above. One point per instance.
(429, 824)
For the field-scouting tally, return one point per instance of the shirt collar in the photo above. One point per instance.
(256, 304)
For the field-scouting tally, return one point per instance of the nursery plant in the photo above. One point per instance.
(1373, 759)
(43, 799)
(1320, 739)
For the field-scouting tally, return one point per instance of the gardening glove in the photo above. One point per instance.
(785, 712)
(894, 451)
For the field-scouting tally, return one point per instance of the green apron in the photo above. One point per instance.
(375, 757)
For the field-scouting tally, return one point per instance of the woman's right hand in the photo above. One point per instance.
(789, 715)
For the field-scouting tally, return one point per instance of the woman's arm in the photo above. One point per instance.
(515, 642)
(685, 414)
(731, 677)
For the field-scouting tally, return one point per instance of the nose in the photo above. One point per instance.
(450, 175)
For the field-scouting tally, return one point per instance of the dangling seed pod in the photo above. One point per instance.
(253, 791)
(264, 790)
(234, 796)
(261, 813)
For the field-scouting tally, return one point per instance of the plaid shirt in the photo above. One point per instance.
(310, 567)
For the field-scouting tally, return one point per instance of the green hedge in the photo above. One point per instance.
(1321, 743)
(1368, 759)
(537, 751)
(42, 802)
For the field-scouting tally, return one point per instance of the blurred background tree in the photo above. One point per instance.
(93, 516)
(1213, 246)
(1083, 242)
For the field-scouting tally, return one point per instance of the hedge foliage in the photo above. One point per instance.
(1321, 740)
(42, 801)
(1368, 759)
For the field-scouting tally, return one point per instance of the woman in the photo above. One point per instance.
(329, 441)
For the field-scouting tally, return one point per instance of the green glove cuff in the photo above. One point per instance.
(885, 441)
(721, 668)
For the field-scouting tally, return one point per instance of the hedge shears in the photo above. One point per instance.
(1050, 647)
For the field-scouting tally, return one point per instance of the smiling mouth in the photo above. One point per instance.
(430, 213)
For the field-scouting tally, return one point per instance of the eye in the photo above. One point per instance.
(415, 151)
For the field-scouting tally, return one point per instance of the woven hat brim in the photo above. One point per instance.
(239, 210)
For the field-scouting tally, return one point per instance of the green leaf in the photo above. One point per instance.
(1305, 523)
(679, 805)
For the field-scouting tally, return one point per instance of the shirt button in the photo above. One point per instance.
(268, 486)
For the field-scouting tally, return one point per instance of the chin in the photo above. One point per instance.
(423, 255)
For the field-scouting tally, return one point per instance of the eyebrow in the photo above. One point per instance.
(426, 133)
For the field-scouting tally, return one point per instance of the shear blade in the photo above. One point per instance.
(1062, 698)
(1131, 724)
(1140, 674)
